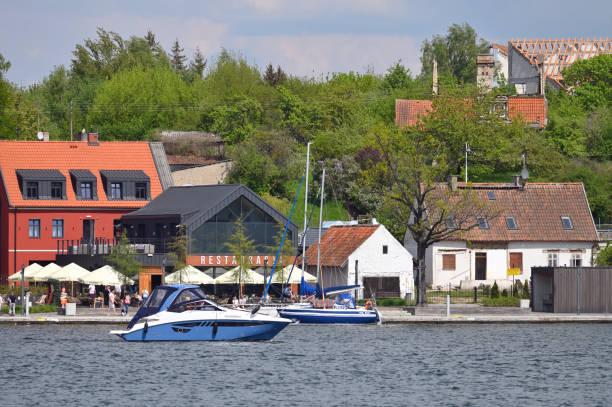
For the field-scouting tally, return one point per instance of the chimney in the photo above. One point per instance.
(485, 68)
(452, 183)
(435, 78)
(517, 181)
(92, 139)
(540, 64)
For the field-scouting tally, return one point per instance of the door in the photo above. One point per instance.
(155, 280)
(481, 266)
(516, 261)
(89, 231)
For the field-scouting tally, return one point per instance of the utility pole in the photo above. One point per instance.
(70, 119)
(38, 113)
(467, 150)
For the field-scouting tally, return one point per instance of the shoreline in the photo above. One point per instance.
(391, 316)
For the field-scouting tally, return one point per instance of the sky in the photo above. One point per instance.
(306, 38)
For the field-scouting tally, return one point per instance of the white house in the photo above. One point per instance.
(536, 224)
(367, 255)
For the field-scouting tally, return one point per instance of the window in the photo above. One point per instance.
(86, 190)
(511, 223)
(567, 222)
(450, 223)
(57, 228)
(521, 88)
(32, 190)
(385, 249)
(57, 190)
(141, 190)
(116, 190)
(482, 222)
(34, 228)
(576, 260)
(491, 195)
(448, 262)
(553, 259)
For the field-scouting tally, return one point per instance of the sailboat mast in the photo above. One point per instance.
(305, 210)
(319, 279)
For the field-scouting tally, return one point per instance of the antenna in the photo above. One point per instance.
(524, 172)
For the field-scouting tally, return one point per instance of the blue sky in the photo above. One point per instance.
(307, 38)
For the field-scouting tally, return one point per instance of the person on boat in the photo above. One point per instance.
(64, 297)
(368, 305)
(287, 293)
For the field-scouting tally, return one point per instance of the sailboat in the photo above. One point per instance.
(341, 310)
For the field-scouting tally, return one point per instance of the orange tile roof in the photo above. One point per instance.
(407, 112)
(68, 155)
(532, 109)
(338, 243)
(537, 208)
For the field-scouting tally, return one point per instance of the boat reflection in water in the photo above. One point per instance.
(184, 313)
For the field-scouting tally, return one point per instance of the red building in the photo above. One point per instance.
(52, 191)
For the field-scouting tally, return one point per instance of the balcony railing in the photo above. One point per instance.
(105, 246)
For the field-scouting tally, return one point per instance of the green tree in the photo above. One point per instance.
(177, 59)
(252, 168)
(241, 247)
(197, 66)
(413, 165)
(237, 120)
(285, 254)
(178, 249)
(397, 77)
(123, 259)
(274, 78)
(455, 53)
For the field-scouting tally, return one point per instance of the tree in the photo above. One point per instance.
(4, 66)
(154, 46)
(413, 164)
(198, 64)
(241, 248)
(397, 77)
(177, 59)
(286, 252)
(274, 78)
(178, 249)
(455, 53)
(122, 257)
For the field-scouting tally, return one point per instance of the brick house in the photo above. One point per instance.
(51, 191)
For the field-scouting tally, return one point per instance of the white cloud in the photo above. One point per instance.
(320, 54)
(319, 7)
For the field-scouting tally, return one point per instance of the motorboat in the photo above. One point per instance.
(184, 313)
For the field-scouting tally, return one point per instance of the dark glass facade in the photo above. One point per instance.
(213, 236)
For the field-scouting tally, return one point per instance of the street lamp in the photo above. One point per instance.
(164, 270)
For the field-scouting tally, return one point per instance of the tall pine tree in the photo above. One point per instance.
(198, 64)
(178, 59)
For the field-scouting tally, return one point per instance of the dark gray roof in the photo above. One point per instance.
(126, 175)
(161, 164)
(312, 236)
(82, 174)
(45, 175)
(196, 204)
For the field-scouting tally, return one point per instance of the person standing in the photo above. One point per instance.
(145, 295)
(64, 297)
(106, 294)
(12, 301)
(126, 303)
(92, 294)
(111, 302)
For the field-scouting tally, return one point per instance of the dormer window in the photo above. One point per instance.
(85, 184)
(41, 184)
(86, 190)
(567, 222)
(482, 222)
(32, 190)
(116, 191)
(126, 185)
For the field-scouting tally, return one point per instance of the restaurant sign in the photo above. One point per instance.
(213, 260)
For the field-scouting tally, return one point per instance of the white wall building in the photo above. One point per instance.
(537, 224)
(367, 255)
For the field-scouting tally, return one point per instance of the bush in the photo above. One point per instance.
(526, 295)
(504, 293)
(34, 309)
(501, 302)
(518, 288)
(495, 290)
(387, 302)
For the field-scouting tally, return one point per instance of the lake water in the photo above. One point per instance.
(464, 365)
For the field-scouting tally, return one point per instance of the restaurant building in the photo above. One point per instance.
(54, 192)
(208, 214)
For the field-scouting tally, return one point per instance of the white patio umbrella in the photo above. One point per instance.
(44, 273)
(296, 276)
(189, 275)
(105, 275)
(29, 271)
(71, 272)
(248, 277)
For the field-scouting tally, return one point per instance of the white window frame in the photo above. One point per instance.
(576, 260)
(553, 259)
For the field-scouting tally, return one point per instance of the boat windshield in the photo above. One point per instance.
(158, 296)
(192, 299)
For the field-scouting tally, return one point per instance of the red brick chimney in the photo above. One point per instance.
(92, 139)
